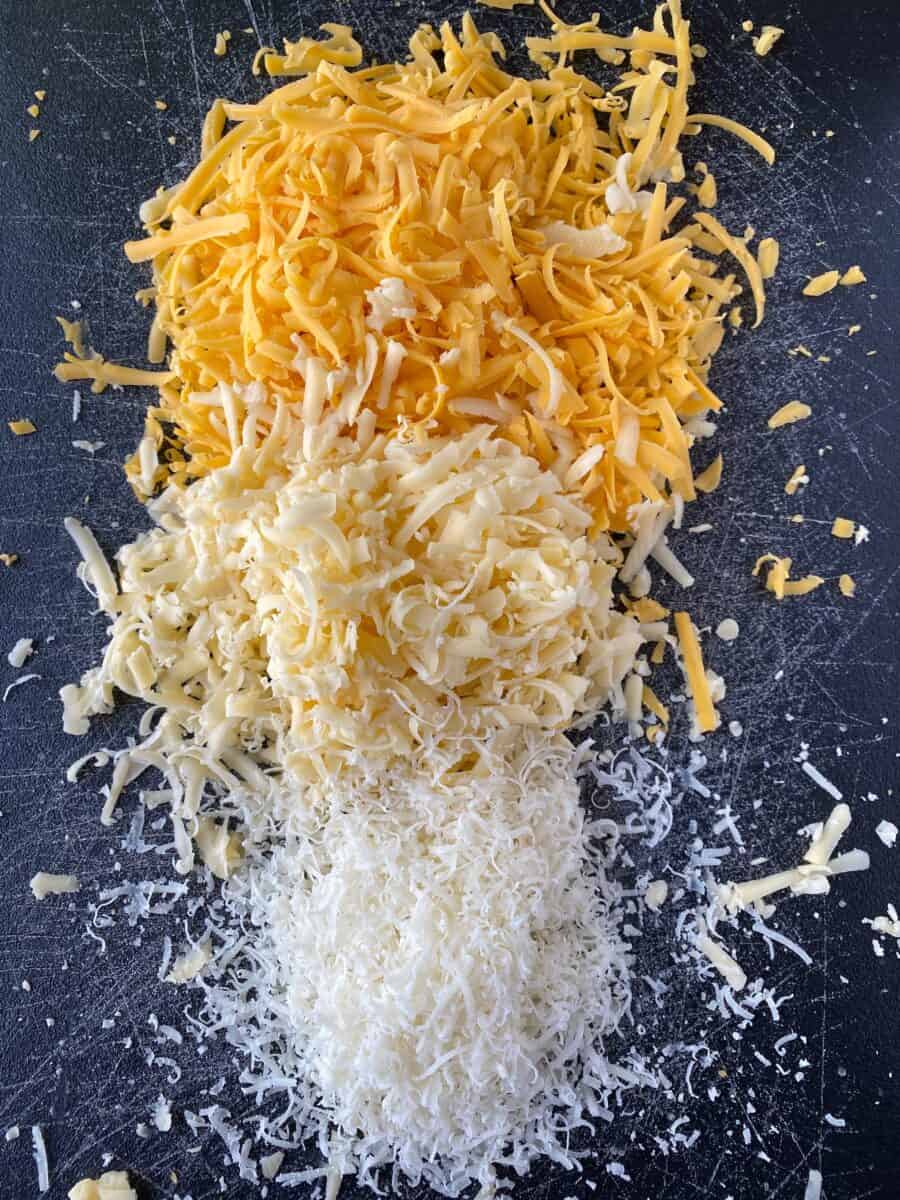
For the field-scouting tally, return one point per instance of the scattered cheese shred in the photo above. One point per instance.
(823, 283)
(767, 256)
(797, 479)
(220, 48)
(112, 1185)
(707, 717)
(778, 579)
(46, 884)
(843, 527)
(769, 35)
(33, 134)
(161, 105)
(22, 427)
(33, 110)
(9, 559)
(847, 585)
(851, 276)
(709, 480)
(794, 410)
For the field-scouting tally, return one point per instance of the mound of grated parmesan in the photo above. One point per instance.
(438, 964)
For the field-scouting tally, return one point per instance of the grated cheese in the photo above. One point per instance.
(112, 1185)
(851, 276)
(767, 256)
(40, 1158)
(45, 884)
(798, 478)
(547, 227)
(843, 527)
(23, 427)
(695, 672)
(821, 284)
(769, 35)
(20, 652)
(788, 414)
(778, 579)
(847, 585)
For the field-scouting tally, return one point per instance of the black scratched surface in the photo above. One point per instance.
(820, 672)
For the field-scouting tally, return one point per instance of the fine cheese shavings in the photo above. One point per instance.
(46, 884)
(33, 134)
(22, 427)
(220, 47)
(759, 144)
(9, 559)
(798, 478)
(727, 967)
(847, 586)
(768, 36)
(851, 276)
(788, 414)
(96, 568)
(112, 1185)
(822, 284)
(510, 209)
(695, 672)
(738, 250)
(190, 964)
(843, 527)
(103, 374)
(709, 480)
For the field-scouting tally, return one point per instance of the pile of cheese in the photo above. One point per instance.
(438, 967)
(373, 601)
(509, 244)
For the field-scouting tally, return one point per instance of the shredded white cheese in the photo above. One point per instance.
(46, 884)
(20, 652)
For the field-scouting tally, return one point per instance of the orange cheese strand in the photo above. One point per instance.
(545, 286)
(707, 717)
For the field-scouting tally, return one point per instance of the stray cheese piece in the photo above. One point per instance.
(847, 585)
(33, 134)
(854, 329)
(852, 276)
(767, 256)
(778, 579)
(161, 105)
(747, 26)
(653, 704)
(22, 427)
(112, 1185)
(9, 559)
(505, 5)
(707, 717)
(190, 964)
(794, 410)
(707, 193)
(47, 884)
(843, 527)
(33, 110)
(727, 967)
(709, 480)
(40, 95)
(655, 894)
(821, 284)
(728, 629)
(20, 652)
(103, 374)
(797, 479)
(768, 36)
(304, 56)
(221, 44)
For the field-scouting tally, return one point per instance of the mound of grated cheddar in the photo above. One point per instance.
(482, 246)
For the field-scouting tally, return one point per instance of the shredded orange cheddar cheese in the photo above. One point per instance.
(847, 585)
(778, 579)
(823, 283)
(22, 427)
(843, 527)
(794, 410)
(707, 717)
(551, 292)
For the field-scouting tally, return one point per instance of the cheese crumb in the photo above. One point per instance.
(9, 559)
(709, 480)
(221, 46)
(33, 110)
(854, 329)
(747, 26)
(768, 36)
(843, 527)
(887, 832)
(33, 134)
(728, 629)
(112, 1185)
(45, 884)
(390, 301)
(821, 284)
(655, 894)
(190, 964)
(797, 479)
(40, 94)
(161, 105)
(23, 648)
(794, 410)
(852, 276)
(847, 585)
(22, 427)
(767, 256)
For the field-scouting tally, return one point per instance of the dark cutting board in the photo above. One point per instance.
(822, 671)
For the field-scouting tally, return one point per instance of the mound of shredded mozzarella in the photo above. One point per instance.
(365, 602)
(437, 965)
